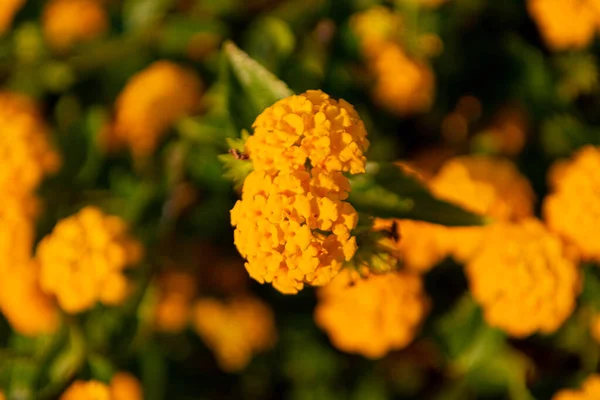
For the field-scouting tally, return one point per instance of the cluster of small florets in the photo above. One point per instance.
(573, 208)
(83, 259)
(123, 386)
(390, 308)
(292, 223)
(590, 389)
(566, 24)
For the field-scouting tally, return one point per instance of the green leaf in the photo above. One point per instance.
(385, 191)
(260, 88)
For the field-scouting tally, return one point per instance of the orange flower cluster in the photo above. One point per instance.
(26, 156)
(177, 290)
(402, 84)
(82, 260)
(590, 390)
(69, 22)
(123, 386)
(292, 223)
(151, 102)
(573, 208)
(235, 330)
(8, 9)
(522, 278)
(566, 24)
(390, 308)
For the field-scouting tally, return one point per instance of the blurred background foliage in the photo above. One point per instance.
(495, 86)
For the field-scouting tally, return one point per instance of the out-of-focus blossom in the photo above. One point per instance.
(292, 223)
(522, 278)
(83, 259)
(390, 308)
(87, 390)
(153, 100)
(8, 9)
(375, 27)
(566, 24)
(485, 185)
(402, 84)
(124, 386)
(69, 22)
(28, 310)
(26, 155)
(590, 390)
(235, 330)
(177, 290)
(573, 208)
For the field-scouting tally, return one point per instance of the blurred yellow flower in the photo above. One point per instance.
(2, 397)
(402, 84)
(566, 24)
(522, 278)
(83, 259)
(177, 290)
(573, 208)
(17, 230)
(8, 9)
(87, 390)
(124, 386)
(69, 22)
(590, 390)
(311, 127)
(235, 330)
(28, 310)
(375, 27)
(292, 223)
(153, 100)
(26, 155)
(373, 315)
(488, 186)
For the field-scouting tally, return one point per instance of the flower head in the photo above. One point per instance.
(8, 9)
(565, 24)
(177, 291)
(235, 330)
(87, 390)
(402, 84)
(152, 101)
(313, 128)
(68, 22)
(375, 27)
(25, 151)
(522, 278)
(124, 386)
(294, 228)
(390, 308)
(573, 208)
(83, 259)
(485, 185)
(28, 310)
(590, 390)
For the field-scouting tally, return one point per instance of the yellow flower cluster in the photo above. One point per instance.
(389, 308)
(573, 208)
(151, 102)
(177, 292)
(522, 278)
(235, 330)
(402, 84)
(375, 27)
(83, 259)
(292, 223)
(8, 9)
(26, 157)
(123, 386)
(490, 186)
(69, 22)
(566, 24)
(590, 390)
(25, 150)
